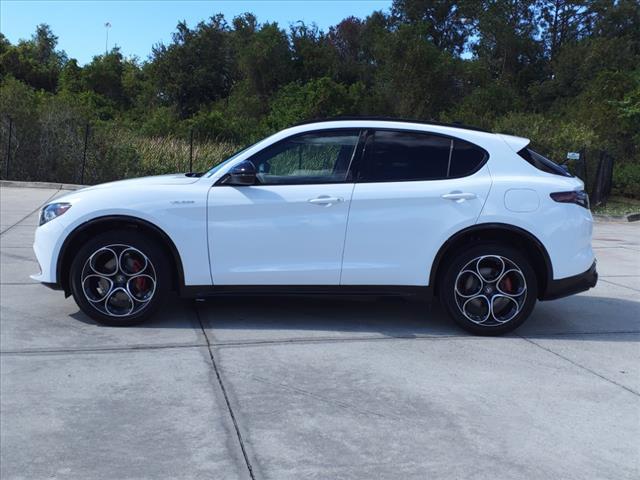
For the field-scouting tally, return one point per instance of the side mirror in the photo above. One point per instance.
(241, 175)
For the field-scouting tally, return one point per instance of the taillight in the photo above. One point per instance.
(579, 197)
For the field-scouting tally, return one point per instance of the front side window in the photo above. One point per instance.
(318, 157)
(399, 156)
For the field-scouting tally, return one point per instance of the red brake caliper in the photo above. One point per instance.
(140, 282)
(508, 286)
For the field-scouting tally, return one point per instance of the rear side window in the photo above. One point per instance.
(542, 163)
(396, 156)
(466, 159)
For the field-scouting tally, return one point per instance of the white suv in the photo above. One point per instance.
(341, 206)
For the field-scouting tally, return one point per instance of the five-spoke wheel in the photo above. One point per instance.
(116, 277)
(488, 289)
(119, 280)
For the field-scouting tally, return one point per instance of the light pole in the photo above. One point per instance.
(107, 26)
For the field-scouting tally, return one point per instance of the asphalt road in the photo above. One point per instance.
(316, 387)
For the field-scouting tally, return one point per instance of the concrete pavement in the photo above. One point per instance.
(284, 388)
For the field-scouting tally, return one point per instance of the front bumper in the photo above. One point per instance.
(571, 285)
(46, 246)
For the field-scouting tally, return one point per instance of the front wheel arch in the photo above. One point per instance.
(93, 227)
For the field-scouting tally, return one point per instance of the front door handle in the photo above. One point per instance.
(459, 196)
(325, 200)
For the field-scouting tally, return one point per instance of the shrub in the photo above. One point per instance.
(626, 179)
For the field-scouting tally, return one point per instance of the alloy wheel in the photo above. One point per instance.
(490, 290)
(118, 280)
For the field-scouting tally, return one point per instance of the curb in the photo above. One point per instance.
(632, 217)
(56, 186)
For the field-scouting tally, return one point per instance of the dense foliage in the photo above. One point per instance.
(565, 73)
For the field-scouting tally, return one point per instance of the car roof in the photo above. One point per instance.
(368, 119)
(483, 138)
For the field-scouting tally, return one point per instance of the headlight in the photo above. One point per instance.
(52, 211)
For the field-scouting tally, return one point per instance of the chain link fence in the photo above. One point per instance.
(74, 150)
(67, 149)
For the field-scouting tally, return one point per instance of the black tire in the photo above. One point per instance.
(467, 292)
(136, 260)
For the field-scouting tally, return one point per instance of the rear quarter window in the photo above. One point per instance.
(465, 159)
(542, 163)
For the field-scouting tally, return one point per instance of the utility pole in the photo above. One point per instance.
(107, 26)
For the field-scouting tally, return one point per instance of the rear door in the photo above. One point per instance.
(413, 191)
(289, 228)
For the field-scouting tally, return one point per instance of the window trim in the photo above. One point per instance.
(365, 157)
(357, 151)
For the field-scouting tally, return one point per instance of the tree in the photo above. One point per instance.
(319, 98)
(507, 44)
(446, 23)
(313, 56)
(265, 60)
(104, 77)
(196, 68)
(562, 22)
(36, 61)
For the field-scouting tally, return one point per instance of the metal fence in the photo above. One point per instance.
(603, 181)
(84, 153)
(68, 149)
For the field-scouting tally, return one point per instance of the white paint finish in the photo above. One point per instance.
(273, 235)
(396, 228)
(277, 234)
(515, 143)
(521, 200)
(150, 199)
(563, 229)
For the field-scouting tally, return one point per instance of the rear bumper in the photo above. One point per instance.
(571, 285)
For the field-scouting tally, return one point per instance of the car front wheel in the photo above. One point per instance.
(119, 278)
(489, 289)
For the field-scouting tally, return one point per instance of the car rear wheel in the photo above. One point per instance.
(119, 278)
(489, 289)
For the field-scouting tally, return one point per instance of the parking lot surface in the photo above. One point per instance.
(325, 388)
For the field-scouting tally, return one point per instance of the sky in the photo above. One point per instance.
(137, 25)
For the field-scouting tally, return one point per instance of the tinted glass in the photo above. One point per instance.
(319, 157)
(466, 159)
(405, 156)
(542, 163)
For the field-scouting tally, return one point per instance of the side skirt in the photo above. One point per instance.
(203, 291)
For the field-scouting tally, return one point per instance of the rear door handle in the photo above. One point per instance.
(459, 196)
(325, 200)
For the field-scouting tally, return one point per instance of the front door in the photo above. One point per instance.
(289, 228)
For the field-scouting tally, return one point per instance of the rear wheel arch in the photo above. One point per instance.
(510, 235)
(112, 222)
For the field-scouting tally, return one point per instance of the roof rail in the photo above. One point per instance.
(391, 119)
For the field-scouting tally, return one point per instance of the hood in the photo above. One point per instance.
(171, 179)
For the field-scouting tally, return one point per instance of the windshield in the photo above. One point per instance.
(224, 162)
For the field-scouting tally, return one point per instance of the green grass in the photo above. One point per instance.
(618, 206)
(169, 154)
